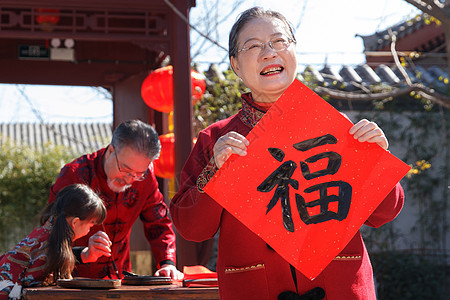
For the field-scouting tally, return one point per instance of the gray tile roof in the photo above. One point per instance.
(382, 39)
(80, 137)
(378, 40)
(360, 77)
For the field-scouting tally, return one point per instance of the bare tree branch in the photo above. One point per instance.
(396, 59)
(209, 23)
(422, 90)
(440, 11)
(180, 14)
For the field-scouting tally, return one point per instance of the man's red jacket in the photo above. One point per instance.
(142, 200)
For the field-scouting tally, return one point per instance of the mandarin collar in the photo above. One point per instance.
(250, 113)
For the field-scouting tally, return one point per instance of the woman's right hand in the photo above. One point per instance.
(230, 143)
(99, 245)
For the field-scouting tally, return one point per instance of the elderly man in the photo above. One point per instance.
(122, 174)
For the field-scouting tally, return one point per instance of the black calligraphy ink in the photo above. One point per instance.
(281, 178)
(334, 162)
(315, 142)
(343, 198)
(345, 190)
(278, 154)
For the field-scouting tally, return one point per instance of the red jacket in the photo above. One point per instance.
(247, 268)
(25, 263)
(142, 200)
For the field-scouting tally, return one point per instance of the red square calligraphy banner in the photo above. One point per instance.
(306, 185)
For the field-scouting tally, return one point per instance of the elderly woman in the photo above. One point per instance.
(261, 51)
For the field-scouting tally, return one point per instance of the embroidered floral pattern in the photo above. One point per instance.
(25, 263)
(250, 115)
(207, 173)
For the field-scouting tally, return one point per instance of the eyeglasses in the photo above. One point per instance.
(137, 176)
(256, 48)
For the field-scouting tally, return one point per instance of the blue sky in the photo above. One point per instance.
(325, 29)
(325, 32)
(53, 104)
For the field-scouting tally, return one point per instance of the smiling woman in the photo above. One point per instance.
(266, 71)
(54, 104)
(262, 54)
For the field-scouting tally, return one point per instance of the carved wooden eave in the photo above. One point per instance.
(116, 44)
(120, 38)
(87, 23)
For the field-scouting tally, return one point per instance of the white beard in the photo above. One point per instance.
(115, 188)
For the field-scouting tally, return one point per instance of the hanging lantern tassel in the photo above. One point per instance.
(157, 88)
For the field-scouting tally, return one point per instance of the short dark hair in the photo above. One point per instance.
(139, 136)
(248, 15)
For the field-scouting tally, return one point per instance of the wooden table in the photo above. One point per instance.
(173, 291)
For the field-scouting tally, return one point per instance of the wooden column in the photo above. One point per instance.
(128, 103)
(188, 253)
(181, 61)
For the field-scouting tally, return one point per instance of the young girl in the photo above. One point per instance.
(47, 251)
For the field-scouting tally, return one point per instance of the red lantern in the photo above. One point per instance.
(165, 164)
(47, 16)
(157, 88)
(198, 85)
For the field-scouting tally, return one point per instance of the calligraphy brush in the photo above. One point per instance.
(112, 256)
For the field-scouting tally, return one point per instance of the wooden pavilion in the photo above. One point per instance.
(108, 43)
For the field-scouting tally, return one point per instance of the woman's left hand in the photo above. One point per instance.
(365, 131)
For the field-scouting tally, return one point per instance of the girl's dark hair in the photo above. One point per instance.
(76, 200)
(248, 15)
